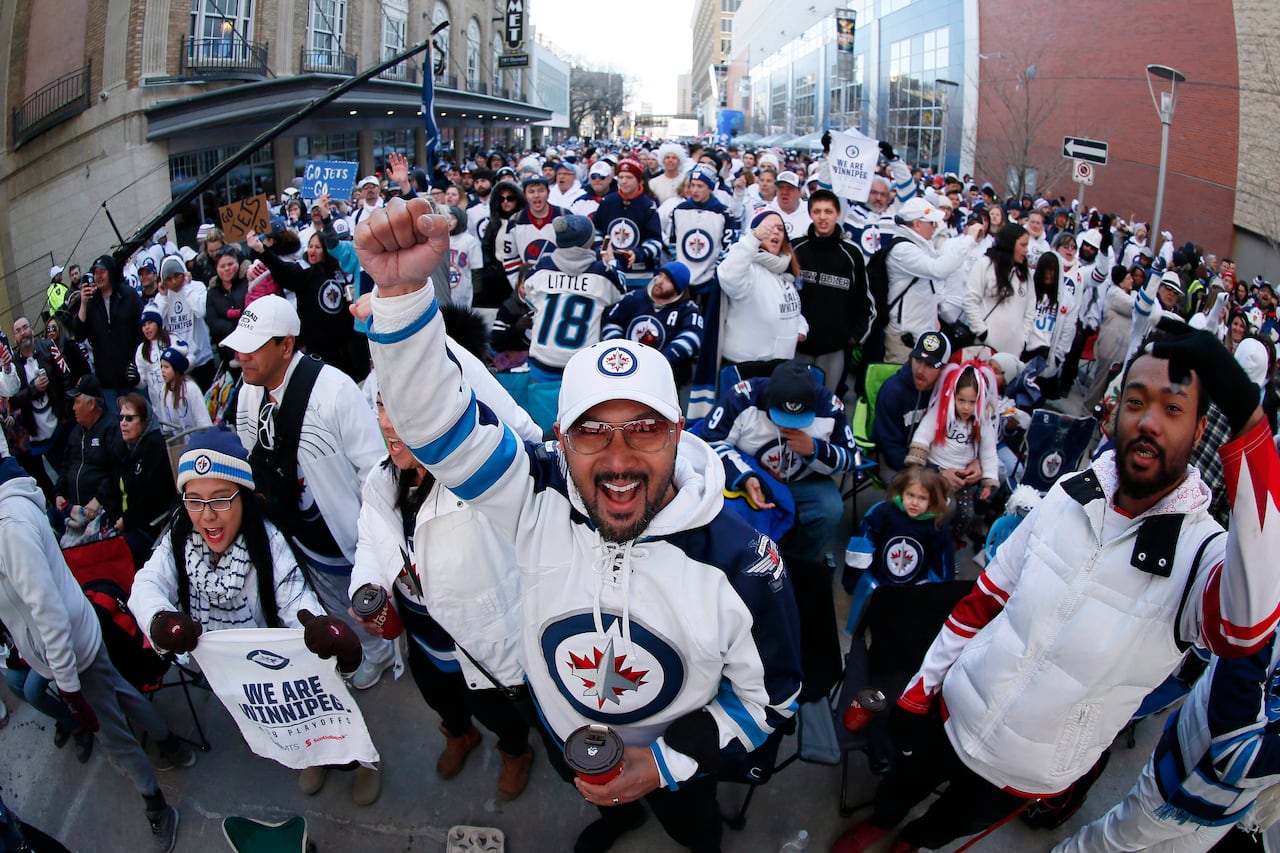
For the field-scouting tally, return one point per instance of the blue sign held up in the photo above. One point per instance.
(337, 178)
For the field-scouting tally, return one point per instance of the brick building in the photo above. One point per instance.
(1047, 71)
(124, 103)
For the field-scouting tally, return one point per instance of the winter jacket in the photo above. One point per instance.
(1082, 613)
(833, 293)
(685, 641)
(184, 314)
(1007, 322)
(112, 327)
(328, 329)
(41, 603)
(91, 466)
(763, 320)
(675, 328)
(219, 303)
(631, 224)
(900, 550)
(55, 395)
(899, 410)
(149, 491)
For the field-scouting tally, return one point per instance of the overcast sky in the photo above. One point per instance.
(648, 41)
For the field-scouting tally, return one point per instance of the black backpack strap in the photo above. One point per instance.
(288, 417)
(1186, 589)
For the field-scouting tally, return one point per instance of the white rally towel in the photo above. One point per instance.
(290, 705)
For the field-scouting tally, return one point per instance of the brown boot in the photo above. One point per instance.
(515, 774)
(455, 752)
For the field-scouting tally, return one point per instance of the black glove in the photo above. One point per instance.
(886, 149)
(1158, 265)
(328, 637)
(1221, 377)
(908, 729)
(174, 631)
(81, 711)
(131, 373)
(826, 142)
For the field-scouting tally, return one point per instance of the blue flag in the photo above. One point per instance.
(429, 113)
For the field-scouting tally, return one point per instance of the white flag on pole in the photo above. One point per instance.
(853, 164)
(290, 705)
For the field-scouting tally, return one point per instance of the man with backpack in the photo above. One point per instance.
(907, 273)
(58, 634)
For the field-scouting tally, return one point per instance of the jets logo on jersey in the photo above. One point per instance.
(869, 239)
(455, 276)
(769, 565)
(902, 556)
(330, 296)
(648, 331)
(697, 245)
(604, 678)
(782, 461)
(616, 362)
(481, 224)
(624, 234)
(536, 249)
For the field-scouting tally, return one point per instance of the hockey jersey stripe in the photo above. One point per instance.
(408, 331)
(492, 469)
(436, 451)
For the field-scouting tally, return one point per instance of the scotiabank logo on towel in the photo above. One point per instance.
(605, 679)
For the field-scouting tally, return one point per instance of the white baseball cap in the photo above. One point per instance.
(265, 318)
(54, 270)
(918, 208)
(364, 182)
(616, 369)
(789, 178)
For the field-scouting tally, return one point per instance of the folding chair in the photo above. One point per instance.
(246, 835)
(901, 622)
(110, 560)
(1055, 445)
(864, 415)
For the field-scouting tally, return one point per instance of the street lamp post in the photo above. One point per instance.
(1164, 109)
(947, 87)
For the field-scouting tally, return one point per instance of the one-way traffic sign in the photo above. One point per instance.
(1092, 150)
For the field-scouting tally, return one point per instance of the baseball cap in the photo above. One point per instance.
(270, 316)
(532, 179)
(601, 169)
(54, 270)
(88, 385)
(933, 349)
(566, 165)
(617, 369)
(364, 182)
(1093, 237)
(791, 395)
(789, 178)
(918, 208)
(1171, 280)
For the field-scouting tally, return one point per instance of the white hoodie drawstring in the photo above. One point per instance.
(615, 557)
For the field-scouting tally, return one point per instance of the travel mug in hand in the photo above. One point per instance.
(594, 753)
(371, 604)
(865, 705)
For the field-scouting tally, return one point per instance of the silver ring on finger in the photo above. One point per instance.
(615, 801)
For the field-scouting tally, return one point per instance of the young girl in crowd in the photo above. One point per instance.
(904, 539)
(181, 406)
(155, 340)
(958, 438)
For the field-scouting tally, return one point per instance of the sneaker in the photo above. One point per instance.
(367, 787)
(311, 779)
(456, 750)
(61, 734)
(84, 745)
(164, 829)
(858, 838)
(605, 832)
(515, 774)
(368, 674)
(175, 753)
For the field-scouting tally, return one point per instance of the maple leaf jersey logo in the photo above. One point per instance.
(604, 678)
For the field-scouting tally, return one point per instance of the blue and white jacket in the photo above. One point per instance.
(685, 640)
(740, 424)
(699, 236)
(674, 328)
(632, 224)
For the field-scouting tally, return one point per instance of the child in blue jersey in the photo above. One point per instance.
(904, 539)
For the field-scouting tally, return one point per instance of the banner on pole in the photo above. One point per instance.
(853, 164)
(290, 705)
(845, 31)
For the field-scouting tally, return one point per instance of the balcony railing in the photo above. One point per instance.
(405, 72)
(60, 100)
(447, 81)
(314, 61)
(222, 57)
(477, 87)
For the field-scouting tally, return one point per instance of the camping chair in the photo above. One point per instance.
(246, 835)
(902, 622)
(1055, 445)
(111, 561)
(864, 415)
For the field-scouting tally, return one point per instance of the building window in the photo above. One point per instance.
(888, 6)
(726, 47)
(845, 107)
(805, 103)
(256, 176)
(915, 98)
(497, 69)
(221, 28)
(440, 41)
(473, 55)
(726, 25)
(387, 141)
(778, 108)
(325, 31)
(395, 26)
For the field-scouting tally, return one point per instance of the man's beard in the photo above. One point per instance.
(1165, 476)
(612, 531)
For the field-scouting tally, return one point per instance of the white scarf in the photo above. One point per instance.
(218, 595)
